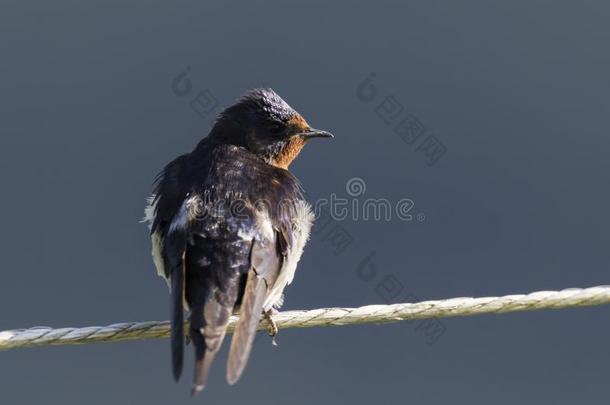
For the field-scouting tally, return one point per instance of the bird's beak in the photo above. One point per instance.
(316, 133)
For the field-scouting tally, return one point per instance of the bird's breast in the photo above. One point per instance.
(300, 227)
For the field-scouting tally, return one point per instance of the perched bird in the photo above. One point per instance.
(228, 224)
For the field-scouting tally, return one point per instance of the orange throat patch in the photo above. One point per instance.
(289, 152)
(294, 145)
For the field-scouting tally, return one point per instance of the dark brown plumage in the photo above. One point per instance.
(229, 224)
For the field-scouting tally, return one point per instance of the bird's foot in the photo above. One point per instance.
(272, 328)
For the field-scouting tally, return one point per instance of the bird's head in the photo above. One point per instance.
(267, 126)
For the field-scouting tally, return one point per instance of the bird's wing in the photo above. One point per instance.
(169, 249)
(208, 327)
(174, 257)
(217, 264)
(168, 195)
(265, 265)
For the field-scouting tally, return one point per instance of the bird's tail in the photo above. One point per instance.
(208, 328)
(245, 330)
(203, 361)
(177, 320)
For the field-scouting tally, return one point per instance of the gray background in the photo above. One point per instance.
(517, 92)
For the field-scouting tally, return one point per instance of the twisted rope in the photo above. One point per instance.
(466, 306)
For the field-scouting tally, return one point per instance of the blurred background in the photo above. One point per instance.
(491, 118)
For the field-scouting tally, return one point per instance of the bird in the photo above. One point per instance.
(228, 224)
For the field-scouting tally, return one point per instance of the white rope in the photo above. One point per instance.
(573, 297)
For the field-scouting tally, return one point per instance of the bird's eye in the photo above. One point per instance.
(275, 128)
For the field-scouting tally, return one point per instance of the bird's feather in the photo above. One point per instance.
(245, 330)
(177, 321)
(215, 269)
(174, 255)
(208, 328)
(266, 262)
(221, 262)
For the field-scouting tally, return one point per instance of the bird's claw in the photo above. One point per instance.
(272, 328)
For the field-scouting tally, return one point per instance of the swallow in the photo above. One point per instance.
(228, 225)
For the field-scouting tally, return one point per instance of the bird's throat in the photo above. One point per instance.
(288, 152)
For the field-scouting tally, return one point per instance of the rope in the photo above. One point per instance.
(465, 306)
